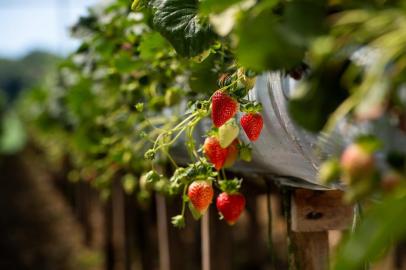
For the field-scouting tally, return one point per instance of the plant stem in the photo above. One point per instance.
(183, 200)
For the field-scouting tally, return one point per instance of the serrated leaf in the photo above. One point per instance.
(179, 22)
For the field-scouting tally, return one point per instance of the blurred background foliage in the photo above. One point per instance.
(136, 70)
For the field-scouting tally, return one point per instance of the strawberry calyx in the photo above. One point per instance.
(230, 186)
(251, 107)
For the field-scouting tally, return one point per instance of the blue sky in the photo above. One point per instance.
(26, 25)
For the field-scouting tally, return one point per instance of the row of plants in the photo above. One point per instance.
(147, 74)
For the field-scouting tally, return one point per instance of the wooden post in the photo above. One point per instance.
(164, 257)
(313, 214)
(205, 233)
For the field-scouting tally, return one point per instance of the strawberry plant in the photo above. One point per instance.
(144, 80)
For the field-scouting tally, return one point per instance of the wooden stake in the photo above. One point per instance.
(205, 234)
(311, 250)
(164, 257)
(313, 214)
(315, 211)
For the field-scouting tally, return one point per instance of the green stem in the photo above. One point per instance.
(223, 172)
(169, 156)
(183, 200)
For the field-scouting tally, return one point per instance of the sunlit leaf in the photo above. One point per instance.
(179, 22)
(382, 225)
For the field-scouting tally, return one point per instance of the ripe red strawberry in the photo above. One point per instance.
(252, 124)
(214, 152)
(200, 194)
(223, 107)
(230, 206)
(232, 154)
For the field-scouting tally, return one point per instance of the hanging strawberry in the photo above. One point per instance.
(252, 121)
(200, 194)
(214, 152)
(223, 107)
(230, 203)
(232, 153)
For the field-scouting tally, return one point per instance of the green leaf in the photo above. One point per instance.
(179, 22)
(265, 43)
(150, 45)
(216, 6)
(124, 62)
(12, 133)
(315, 100)
(203, 77)
(304, 18)
(381, 225)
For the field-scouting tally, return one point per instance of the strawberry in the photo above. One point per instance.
(228, 132)
(356, 163)
(223, 107)
(214, 152)
(230, 205)
(232, 154)
(200, 194)
(252, 124)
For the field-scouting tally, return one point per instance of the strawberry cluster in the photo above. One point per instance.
(230, 203)
(222, 147)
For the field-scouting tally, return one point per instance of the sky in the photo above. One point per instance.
(26, 25)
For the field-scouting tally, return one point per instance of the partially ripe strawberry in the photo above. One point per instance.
(230, 206)
(252, 124)
(232, 154)
(214, 152)
(223, 107)
(200, 194)
(356, 163)
(228, 132)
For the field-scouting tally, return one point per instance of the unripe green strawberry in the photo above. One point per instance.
(228, 132)
(232, 154)
(356, 163)
(223, 107)
(214, 152)
(230, 206)
(200, 194)
(245, 152)
(252, 124)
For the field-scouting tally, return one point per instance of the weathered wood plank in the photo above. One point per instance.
(314, 211)
(163, 238)
(205, 234)
(311, 250)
